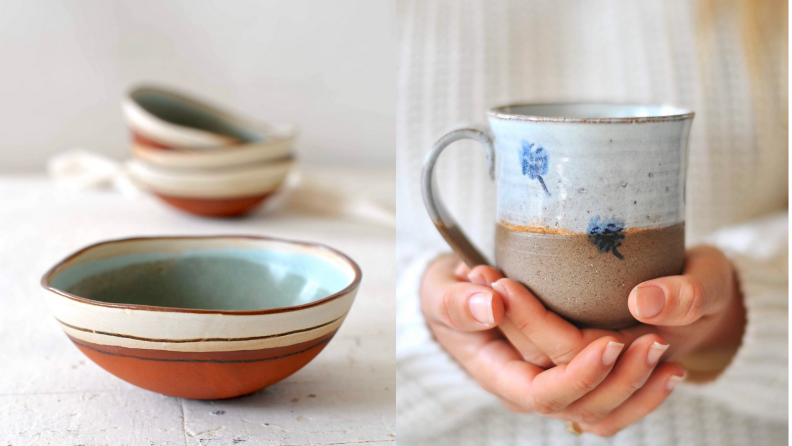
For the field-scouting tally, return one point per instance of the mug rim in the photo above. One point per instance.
(502, 112)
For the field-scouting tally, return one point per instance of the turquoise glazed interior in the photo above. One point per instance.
(176, 110)
(208, 279)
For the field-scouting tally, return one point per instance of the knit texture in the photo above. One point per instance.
(727, 60)
(723, 59)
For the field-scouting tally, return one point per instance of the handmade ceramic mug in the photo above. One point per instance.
(590, 202)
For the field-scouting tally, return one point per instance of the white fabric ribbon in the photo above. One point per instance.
(82, 170)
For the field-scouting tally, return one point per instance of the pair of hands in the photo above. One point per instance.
(537, 362)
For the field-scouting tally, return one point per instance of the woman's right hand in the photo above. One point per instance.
(594, 387)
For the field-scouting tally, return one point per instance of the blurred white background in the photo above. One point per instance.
(328, 66)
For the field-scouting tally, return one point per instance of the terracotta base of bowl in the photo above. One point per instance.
(216, 207)
(203, 375)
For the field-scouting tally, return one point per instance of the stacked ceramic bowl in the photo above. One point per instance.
(203, 160)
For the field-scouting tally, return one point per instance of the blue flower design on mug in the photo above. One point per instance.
(606, 234)
(535, 162)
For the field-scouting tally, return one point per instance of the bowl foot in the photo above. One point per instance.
(216, 207)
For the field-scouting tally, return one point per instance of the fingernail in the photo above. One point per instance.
(674, 380)
(656, 350)
(481, 308)
(497, 286)
(649, 301)
(612, 352)
(477, 278)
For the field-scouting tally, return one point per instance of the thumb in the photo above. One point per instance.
(462, 306)
(704, 288)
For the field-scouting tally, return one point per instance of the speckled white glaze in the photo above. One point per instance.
(612, 162)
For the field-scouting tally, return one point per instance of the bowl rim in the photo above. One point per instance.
(199, 139)
(47, 277)
(503, 112)
(211, 141)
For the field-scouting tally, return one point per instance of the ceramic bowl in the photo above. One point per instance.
(163, 119)
(244, 154)
(202, 317)
(213, 192)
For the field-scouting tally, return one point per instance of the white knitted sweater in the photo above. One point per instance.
(725, 59)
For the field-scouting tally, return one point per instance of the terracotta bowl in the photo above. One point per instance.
(161, 118)
(202, 317)
(225, 192)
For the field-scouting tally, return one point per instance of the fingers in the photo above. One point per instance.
(462, 270)
(529, 351)
(459, 305)
(524, 387)
(551, 334)
(630, 373)
(464, 307)
(499, 369)
(484, 275)
(641, 403)
(480, 275)
(555, 389)
(559, 339)
(545, 334)
(704, 288)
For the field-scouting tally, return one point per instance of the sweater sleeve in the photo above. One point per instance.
(435, 393)
(756, 380)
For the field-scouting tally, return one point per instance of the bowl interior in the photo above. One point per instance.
(182, 111)
(186, 273)
(589, 111)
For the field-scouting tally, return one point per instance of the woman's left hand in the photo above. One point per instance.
(700, 310)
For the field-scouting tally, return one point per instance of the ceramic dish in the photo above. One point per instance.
(226, 183)
(202, 317)
(162, 118)
(243, 154)
(220, 193)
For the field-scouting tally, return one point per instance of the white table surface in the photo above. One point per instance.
(51, 394)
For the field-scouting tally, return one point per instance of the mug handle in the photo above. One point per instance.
(440, 216)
